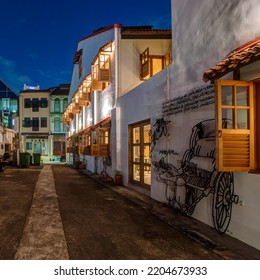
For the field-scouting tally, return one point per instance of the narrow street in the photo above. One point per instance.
(55, 212)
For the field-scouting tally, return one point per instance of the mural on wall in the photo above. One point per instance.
(197, 177)
(161, 128)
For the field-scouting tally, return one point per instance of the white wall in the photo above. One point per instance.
(90, 47)
(204, 32)
(130, 59)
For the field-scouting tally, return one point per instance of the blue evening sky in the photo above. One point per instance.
(39, 37)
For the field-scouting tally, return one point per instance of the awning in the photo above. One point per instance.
(103, 124)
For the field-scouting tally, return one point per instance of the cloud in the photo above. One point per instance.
(9, 75)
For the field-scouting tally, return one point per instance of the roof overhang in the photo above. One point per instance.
(242, 56)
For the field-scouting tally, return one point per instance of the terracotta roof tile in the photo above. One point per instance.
(239, 57)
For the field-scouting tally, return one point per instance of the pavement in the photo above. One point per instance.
(225, 246)
(58, 214)
(44, 226)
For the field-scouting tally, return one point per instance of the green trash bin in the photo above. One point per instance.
(36, 159)
(25, 159)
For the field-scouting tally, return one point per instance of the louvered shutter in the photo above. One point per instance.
(235, 125)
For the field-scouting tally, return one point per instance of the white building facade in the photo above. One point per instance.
(180, 139)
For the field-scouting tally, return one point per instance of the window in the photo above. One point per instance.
(28, 146)
(144, 59)
(152, 64)
(35, 124)
(6, 103)
(140, 151)
(44, 102)
(100, 142)
(57, 123)
(96, 84)
(57, 105)
(44, 122)
(235, 125)
(14, 105)
(27, 103)
(80, 66)
(27, 122)
(104, 68)
(101, 68)
(65, 103)
(35, 105)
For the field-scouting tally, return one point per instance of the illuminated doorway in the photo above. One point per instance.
(139, 153)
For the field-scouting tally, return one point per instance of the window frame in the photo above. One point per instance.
(44, 103)
(27, 103)
(147, 62)
(44, 122)
(35, 127)
(27, 122)
(230, 140)
(35, 104)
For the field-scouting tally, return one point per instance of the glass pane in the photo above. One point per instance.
(136, 172)
(243, 119)
(228, 118)
(227, 95)
(242, 96)
(147, 137)
(136, 154)
(136, 135)
(147, 175)
(157, 65)
(147, 158)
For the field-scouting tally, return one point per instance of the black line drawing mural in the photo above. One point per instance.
(197, 178)
(161, 128)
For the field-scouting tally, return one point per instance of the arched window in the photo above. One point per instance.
(57, 123)
(65, 103)
(57, 105)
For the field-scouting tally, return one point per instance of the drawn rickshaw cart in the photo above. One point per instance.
(199, 177)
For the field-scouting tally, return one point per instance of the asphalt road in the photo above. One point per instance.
(55, 212)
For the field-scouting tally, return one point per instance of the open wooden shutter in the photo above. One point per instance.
(144, 61)
(167, 59)
(96, 84)
(235, 125)
(104, 68)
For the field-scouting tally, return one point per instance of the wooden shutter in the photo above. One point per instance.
(104, 68)
(96, 84)
(235, 143)
(103, 150)
(144, 61)
(167, 59)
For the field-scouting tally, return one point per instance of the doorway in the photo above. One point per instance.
(140, 153)
(37, 147)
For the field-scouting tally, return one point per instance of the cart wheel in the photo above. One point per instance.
(222, 201)
(191, 196)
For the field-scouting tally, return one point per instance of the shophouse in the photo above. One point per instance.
(41, 128)
(192, 144)
(8, 122)
(35, 121)
(107, 64)
(58, 103)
